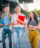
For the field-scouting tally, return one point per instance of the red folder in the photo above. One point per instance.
(21, 18)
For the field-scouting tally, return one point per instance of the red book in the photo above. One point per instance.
(21, 18)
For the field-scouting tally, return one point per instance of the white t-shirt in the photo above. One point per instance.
(14, 20)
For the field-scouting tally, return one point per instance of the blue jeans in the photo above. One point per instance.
(18, 33)
(4, 33)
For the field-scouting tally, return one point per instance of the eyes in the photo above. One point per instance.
(6, 8)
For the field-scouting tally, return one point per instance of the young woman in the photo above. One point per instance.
(33, 27)
(18, 27)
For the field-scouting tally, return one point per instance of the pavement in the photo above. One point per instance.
(26, 42)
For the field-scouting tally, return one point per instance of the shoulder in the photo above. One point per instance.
(14, 14)
(22, 14)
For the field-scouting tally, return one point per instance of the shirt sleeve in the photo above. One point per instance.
(12, 19)
(25, 19)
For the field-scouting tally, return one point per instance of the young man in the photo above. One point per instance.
(18, 21)
(6, 19)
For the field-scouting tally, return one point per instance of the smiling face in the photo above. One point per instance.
(31, 15)
(18, 9)
(6, 9)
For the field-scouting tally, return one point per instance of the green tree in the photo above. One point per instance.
(35, 10)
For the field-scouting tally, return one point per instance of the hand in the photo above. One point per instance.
(22, 22)
(6, 24)
(11, 28)
(16, 23)
(31, 26)
(34, 28)
(0, 24)
(12, 24)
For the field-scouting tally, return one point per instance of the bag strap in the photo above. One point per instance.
(9, 16)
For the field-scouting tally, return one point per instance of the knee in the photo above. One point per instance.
(14, 43)
(20, 41)
(3, 42)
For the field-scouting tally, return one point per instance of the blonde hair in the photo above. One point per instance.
(17, 7)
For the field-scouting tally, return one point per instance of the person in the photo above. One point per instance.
(18, 27)
(38, 15)
(39, 18)
(33, 27)
(6, 20)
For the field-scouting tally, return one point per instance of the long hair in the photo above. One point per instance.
(35, 17)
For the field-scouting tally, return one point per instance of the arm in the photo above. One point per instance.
(21, 21)
(0, 24)
(30, 27)
(6, 24)
(37, 27)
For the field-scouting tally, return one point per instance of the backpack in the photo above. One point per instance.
(9, 16)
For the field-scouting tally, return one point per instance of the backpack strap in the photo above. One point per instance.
(9, 16)
(2, 15)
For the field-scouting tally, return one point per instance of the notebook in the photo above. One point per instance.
(21, 18)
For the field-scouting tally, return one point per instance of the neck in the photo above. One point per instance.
(18, 13)
(32, 18)
(6, 13)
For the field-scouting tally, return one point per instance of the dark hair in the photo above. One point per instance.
(6, 5)
(35, 17)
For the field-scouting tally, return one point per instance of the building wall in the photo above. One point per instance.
(31, 6)
(34, 5)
